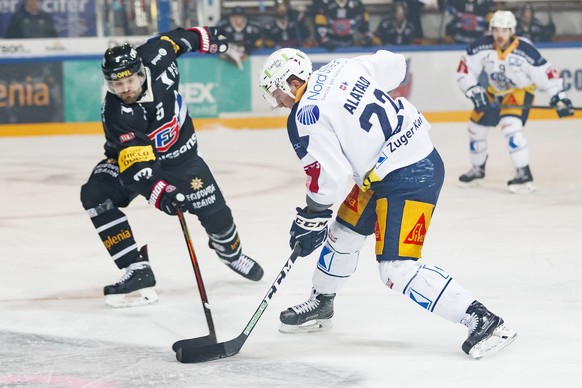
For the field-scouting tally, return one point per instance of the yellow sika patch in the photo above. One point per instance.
(353, 206)
(131, 155)
(415, 222)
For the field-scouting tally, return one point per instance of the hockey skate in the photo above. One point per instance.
(487, 332)
(310, 316)
(474, 177)
(246, 267)
(523, 181)
(136, 286)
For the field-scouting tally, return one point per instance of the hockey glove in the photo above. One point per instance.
(166, 197)
(310, 229)
(478, 97)
(212, 39)
(562, 104)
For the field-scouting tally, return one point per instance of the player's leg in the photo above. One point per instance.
(337, 261)
(403, 222)
(512, 122)
(102, 196)
(207, 202)
(479, 127)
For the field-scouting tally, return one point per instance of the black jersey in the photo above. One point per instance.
(155, 132)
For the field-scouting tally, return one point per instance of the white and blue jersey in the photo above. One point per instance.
(345, 125)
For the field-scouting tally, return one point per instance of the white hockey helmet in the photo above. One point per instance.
(277, 69)
(503, 19)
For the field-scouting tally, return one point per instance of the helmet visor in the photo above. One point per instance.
(268, 95)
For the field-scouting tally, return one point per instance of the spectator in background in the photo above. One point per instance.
(414, 10)
(244, 36)
(30, 22)
(289, 28)
(528, 26)
(341, 23)
(470, 19)
(395, 29)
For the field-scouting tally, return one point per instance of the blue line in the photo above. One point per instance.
(437, 299)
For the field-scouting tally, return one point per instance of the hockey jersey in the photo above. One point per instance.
(520, 66)
(157, 131)
(345, 125)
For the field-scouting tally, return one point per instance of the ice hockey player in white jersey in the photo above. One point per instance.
(344, 126)
(514, 69)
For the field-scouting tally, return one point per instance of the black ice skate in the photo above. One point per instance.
(487, 333)
(310, 316)
(246, 267)
(138, 278)
(474, 177)
(523, 181)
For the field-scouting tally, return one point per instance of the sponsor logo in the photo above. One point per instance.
(196, 184)
(161, 53)
(131, 155)
(312, 170)
(116, 239)
(124, 138)
(121, 74)
(418, 233)
(308, 115)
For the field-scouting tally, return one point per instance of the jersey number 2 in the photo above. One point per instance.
(379, 109)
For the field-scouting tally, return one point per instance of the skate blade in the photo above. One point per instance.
(500, 339)
(473, 184)
(139, 298)
(318, 325)
(524, 188)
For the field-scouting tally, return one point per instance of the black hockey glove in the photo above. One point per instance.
(310, 229)
(212, 39)
(478, 97)
(166, 197)
(562, 104)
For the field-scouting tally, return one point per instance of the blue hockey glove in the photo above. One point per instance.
(478, 97)
(212, 39)
(167, 198)
(562, 104)
(310, 229)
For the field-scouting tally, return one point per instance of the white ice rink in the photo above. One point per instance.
(519, 254)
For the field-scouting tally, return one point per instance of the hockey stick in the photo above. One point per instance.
(193, 353)
(510, 106)
(211, 337)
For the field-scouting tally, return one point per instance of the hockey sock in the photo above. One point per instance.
(227, 245)
(115, 233)
(478, 143)
(516, 141)
(430, 287)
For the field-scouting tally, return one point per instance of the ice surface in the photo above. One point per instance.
(519, 254)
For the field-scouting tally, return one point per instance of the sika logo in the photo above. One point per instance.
(418, 232)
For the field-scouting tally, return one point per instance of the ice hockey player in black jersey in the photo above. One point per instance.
(151, 150)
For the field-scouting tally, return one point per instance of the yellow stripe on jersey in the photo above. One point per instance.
(353, 206)
(381, 217)
(416, 218)
(174, 45)
(502, 55)
(131, 155)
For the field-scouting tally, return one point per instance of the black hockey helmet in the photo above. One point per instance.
(120, 62)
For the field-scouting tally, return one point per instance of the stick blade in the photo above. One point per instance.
(195, 354)
(194, 342)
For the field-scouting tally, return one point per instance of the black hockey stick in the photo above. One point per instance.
(511, 106)
(193, 353)
(211, 337)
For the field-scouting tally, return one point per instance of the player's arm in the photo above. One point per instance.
(548, 80)
(206, 40)
(139, 168)
(388, 68)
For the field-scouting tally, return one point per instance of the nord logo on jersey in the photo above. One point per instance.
(166, 135)
(416, 218)
(309, 114)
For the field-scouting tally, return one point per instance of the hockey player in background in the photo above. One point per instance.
(343, 125)
(514, 69)
(151, 150)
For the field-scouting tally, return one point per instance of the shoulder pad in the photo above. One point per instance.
(527, 50)
(484, 43)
